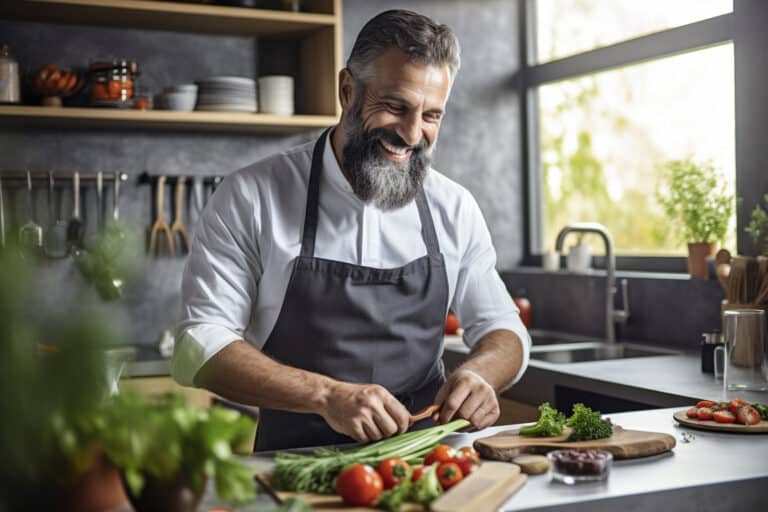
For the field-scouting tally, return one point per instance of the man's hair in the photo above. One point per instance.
(419, 37)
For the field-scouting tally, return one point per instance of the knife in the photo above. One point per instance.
(423, 414)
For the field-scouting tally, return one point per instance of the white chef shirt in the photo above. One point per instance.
(245, 242)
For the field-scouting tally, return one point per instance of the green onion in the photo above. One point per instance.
(318, 472)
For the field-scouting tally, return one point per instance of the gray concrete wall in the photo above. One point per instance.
(478, 144)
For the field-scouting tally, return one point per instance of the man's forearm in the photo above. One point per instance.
(242, 373)
(497, 357)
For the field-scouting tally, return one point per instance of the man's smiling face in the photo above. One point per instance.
(391, 122)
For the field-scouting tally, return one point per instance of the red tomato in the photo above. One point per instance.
(693, 413)
(441, 453)
(705, 413)
(747, 415)
(392, 471)
(449, 474)
(724, 417)
(359, 485)
(705, 403)
(417, 471)
(734, 405)
(467, 459)
(452, 324)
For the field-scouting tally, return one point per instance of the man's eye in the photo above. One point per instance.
(434, 117)
(395, 108)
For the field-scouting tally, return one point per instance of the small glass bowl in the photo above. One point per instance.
(574, 466)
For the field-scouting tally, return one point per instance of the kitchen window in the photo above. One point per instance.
(611, 90)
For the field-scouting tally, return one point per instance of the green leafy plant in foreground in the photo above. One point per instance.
(165, 438)
(698, 197)
(550, 423)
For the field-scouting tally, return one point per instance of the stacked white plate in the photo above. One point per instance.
(227, 93)
(276, 94)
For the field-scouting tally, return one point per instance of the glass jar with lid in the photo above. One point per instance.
(9, 76)
(113, 82)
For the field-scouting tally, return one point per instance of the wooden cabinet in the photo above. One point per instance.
(318, 32)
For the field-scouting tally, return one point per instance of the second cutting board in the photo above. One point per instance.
(623, 444)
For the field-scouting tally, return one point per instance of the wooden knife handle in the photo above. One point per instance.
(423, 414)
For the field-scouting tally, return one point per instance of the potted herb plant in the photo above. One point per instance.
(53, 373)
(697, 199)
(167, 450)
(758, 227)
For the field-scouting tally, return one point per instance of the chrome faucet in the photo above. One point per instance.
(612, 316)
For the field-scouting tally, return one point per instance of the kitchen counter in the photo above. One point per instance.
(656, 381)
(713, 471)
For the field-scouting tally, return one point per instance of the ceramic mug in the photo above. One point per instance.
(743, 358)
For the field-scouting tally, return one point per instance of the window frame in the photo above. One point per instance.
(665, 43)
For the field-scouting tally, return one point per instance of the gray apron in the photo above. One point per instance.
(357, 324)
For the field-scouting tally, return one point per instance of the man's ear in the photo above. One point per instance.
(346, 88)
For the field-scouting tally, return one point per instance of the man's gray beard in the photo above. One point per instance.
(375, 179)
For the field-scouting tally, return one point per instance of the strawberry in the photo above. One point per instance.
(692, 413)
(705, 403)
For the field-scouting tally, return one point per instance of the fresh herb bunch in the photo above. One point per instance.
(165, 438)
(587, 424)
(550, 423)
(697, 196)
(317, 472)
(758, 227)
(762, 409)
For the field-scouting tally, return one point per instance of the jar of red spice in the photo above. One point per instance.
(113, 82)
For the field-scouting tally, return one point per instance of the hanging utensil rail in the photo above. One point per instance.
(16, 175)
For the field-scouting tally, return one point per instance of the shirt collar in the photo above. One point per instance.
(332, 168)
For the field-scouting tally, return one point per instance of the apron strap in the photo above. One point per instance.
(428, 233)
(313, 192)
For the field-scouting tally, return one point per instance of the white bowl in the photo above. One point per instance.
(189, 88)
(180, 101)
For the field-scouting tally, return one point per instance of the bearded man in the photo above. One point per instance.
(319, 280)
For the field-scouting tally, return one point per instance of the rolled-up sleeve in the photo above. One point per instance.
(481, 301)
(220, 280)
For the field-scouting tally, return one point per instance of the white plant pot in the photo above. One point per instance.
(579, 258)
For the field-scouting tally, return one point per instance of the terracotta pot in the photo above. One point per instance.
(99, 489)
(698, 253)
(175, 495)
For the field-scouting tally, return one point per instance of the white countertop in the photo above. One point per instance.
(710, 458)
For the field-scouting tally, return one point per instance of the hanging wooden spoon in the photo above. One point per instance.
(178, 226)
(160, 226)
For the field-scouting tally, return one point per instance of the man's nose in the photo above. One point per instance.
(410, 129)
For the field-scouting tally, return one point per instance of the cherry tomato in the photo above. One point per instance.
(417, 471)
(452, 324)
(441, 453)
(705, 413)
(705, 403)
(359, 485)
(449, 474)
(734, 405)
(467, 459)
(693, 413)
(724, 417)
(392, 471)
(747, 415)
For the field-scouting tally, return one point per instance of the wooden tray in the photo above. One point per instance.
(760, 428)
(623, 444)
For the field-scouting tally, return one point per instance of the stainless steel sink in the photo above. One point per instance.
(575, 352)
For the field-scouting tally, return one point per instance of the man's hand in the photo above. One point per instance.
(468, 396)
(365, 412)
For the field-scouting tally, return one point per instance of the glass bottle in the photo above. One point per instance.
(9, 77)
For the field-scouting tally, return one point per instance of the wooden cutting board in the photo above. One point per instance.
(484, 490)
(759, 428)
(623, 444)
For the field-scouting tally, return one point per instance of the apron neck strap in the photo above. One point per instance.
(428, 233)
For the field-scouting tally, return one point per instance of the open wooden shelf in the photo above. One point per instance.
(173, 16)
(76, 117)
